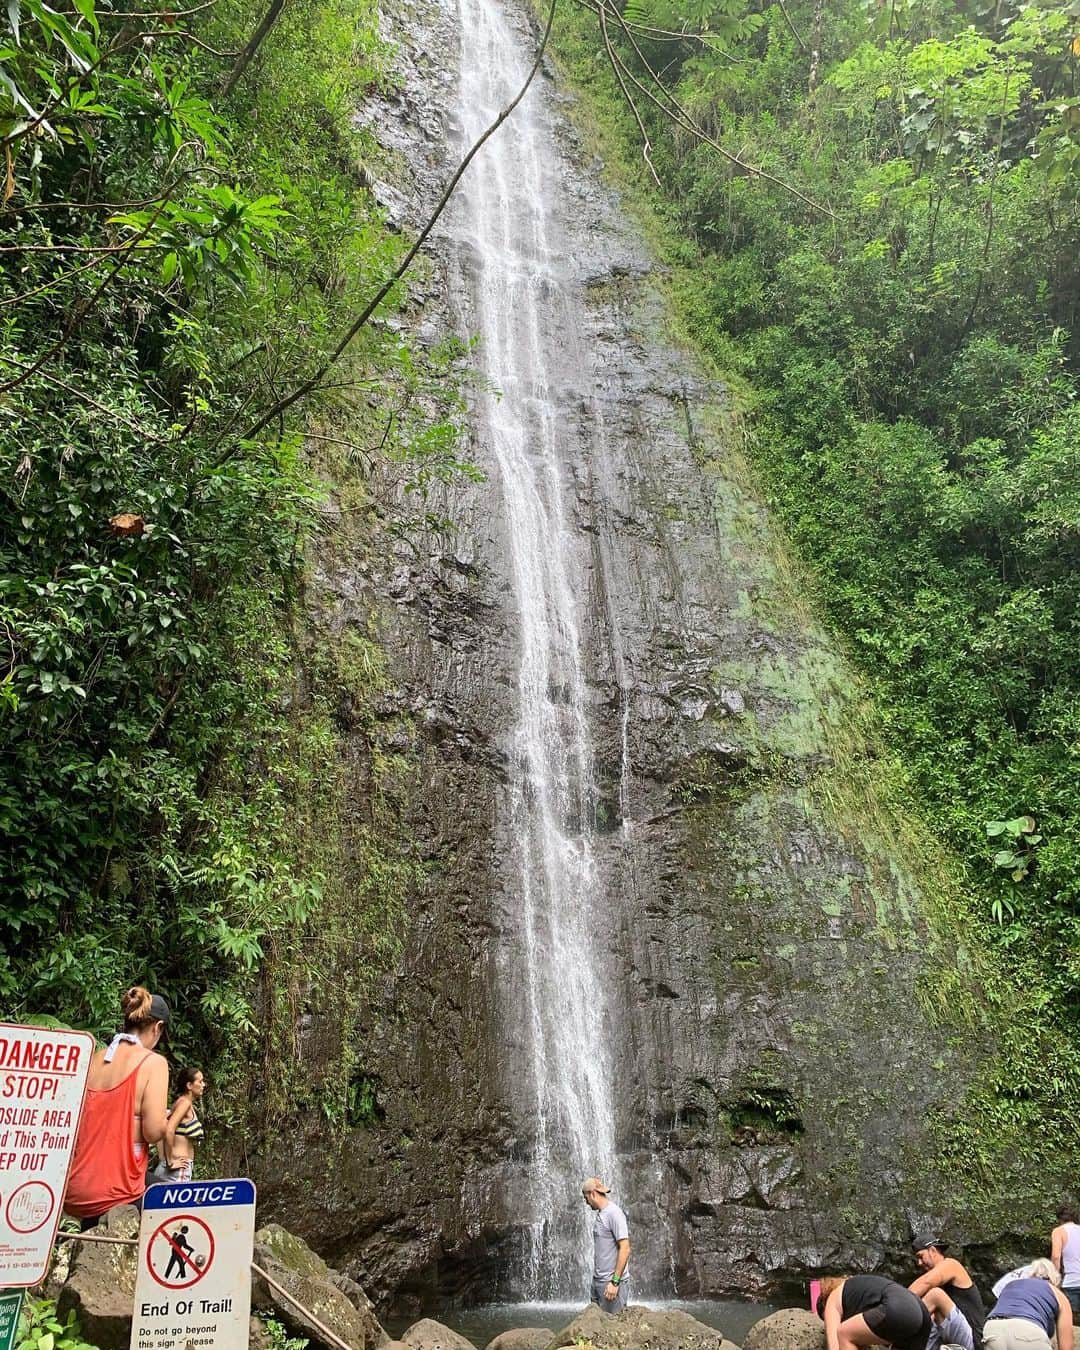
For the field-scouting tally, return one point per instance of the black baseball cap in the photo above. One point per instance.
(921, 1241)
(159, 1009)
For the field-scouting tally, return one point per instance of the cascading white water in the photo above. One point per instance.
(527, 325)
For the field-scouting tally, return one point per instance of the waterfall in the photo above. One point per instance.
(510, 240)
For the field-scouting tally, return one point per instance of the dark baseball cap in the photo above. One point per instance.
(921, 1241)
(159, 1009)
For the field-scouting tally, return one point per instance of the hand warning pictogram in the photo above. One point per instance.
(30, 1207)
(180, 1252)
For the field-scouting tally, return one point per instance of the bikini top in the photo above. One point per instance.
(191, 1129)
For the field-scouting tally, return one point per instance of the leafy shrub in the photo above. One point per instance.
(41, 1329)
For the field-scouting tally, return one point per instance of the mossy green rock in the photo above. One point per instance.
(292, 1264)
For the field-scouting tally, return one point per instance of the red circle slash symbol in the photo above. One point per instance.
(180, 1251)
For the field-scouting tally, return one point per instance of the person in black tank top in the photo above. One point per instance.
(865, 1310)
(946, 1272)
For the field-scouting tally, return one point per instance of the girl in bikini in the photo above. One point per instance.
(184, 1129)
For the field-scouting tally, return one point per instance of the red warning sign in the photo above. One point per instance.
(42, 1083)
(180, 1251)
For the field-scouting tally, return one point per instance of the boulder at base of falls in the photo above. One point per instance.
(788, 1329)
(292, 1263)
(522, 1338)
(429, 1335)
(637, 1328)
(100, 1283)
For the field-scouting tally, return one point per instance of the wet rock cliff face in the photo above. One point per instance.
(762, 946)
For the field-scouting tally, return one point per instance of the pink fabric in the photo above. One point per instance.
(815, 1293)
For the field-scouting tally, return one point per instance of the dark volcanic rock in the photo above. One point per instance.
(289, 1261)
(100, 1285)
(763, 931)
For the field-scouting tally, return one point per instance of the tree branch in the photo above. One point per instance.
(677, 113)
(646, 144)
(86, 398)
(791, 25)
(81, 310)
(313, 382)
(253, 44)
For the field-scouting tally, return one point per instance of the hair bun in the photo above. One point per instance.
(135, 1004)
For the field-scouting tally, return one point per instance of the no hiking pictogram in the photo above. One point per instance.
(180, 1252)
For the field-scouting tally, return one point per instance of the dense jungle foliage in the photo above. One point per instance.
(898, 300)
(186, 229)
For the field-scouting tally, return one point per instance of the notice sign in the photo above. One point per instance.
(42, 1084)
(193, 1285)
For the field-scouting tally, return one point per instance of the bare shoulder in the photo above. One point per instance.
(154, 1066)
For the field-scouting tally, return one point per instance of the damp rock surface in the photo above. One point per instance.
(100, 1283)
(290, 1262)
(763, 932)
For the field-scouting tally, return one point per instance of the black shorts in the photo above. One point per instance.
(901, 1319)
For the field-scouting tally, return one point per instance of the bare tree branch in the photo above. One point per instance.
(790, 24)
(678, 114)
(81, 310)
(87, 398)
(314, 381)
(253, 44)
(616, 64)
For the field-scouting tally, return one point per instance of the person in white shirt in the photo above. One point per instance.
(1065, 1254)
(611, 1247)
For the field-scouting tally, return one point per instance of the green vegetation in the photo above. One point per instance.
(41, 1329)
(182, 250)
(279, 1337)
(895, 312)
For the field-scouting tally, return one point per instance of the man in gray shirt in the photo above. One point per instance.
(611, 1247)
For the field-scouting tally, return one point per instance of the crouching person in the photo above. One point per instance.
(862, 1310)
(1029, 1311)
(950, 1326)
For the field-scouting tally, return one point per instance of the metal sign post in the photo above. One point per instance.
(42, 1085)
(193, 1280)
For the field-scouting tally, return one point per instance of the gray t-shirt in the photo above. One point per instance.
(609, 1229)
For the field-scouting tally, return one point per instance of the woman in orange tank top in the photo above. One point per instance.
(126, 1109)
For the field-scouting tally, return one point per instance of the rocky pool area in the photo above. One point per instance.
(295, 1292)
(480, 1325)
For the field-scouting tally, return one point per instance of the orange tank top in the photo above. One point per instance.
(105, 1170)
